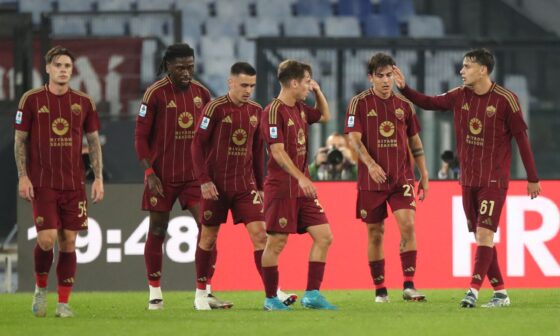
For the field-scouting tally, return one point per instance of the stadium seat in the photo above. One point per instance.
(378, 25)
(160, 26)
(220, 26)
(255, 27)
(69, 25)
(316, 8)
(246, 51)
(358, 8)
(232, 9)
(217, 47)
(301, 26)
(35, 7)
(107, 25)
(74, 6)
(401, 9)
(114, 5)
(342, 26)
(192, 29)
(217, 82)
(156, 5)
(274, 8)
(193, 9)
(425, 26)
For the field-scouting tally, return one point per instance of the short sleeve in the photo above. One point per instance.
(353, 113)
(271, 125)
(412, 124)
(91, 124)
(312, 114)
(24, 115)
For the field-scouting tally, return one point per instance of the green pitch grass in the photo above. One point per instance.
(533, 312)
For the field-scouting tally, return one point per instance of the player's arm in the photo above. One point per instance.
(375, 171)
(142, 132)
(258, 160)
(417, 150)
(199, 150)
(533, 185)
(443, 102)
(282, 158)
(321, 102)
(25, 187)
(96, 161)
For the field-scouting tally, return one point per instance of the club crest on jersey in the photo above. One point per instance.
(60, 126)
(301, 136)
(185, 120)
(399, 113)
(19, 117)
(283, 221)
(197, 101)
(363, 213)
(490, 111)
(153, 201)
(273, 132)
(253, 121)
(205, 122)
(387, 128)
(351, 121)
(239, 137)
(143, 110)
(475, 126)
(76, 109)
(39, 221)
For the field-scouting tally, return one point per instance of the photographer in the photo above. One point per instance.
(334, 162)
(449, 167)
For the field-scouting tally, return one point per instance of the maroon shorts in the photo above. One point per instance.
(60, 209)
(187, 192)
(371, 206)
(246, 207)
(483, 206)
(293, 215)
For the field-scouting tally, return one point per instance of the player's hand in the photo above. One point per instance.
(97, 191)
(533, 189)
(377, 173)
(400, 80)
(155, 185)
(307, 186)
(314, 86)
(423, 188)
(25, 188)
(209, 191)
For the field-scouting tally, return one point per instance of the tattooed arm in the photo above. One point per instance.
(282, 158)
(25, 187)
(95, 158)
(417, 150)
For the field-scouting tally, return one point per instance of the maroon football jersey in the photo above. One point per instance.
(288, 125)
(165, 128)
(227, 146)
(385, 125)
(56, 125)
(484, 127)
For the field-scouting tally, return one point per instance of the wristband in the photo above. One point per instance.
(148, 172)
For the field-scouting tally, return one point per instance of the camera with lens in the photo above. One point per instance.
(334, 156)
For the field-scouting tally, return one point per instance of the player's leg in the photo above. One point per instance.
(203, 262)
(153, 257)
(405, 221)
(274, 246)
(66, 270)
(376, 258)
(500, 297)
(371, 208)
(312, 219)
(43, 259)
(471, 212)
